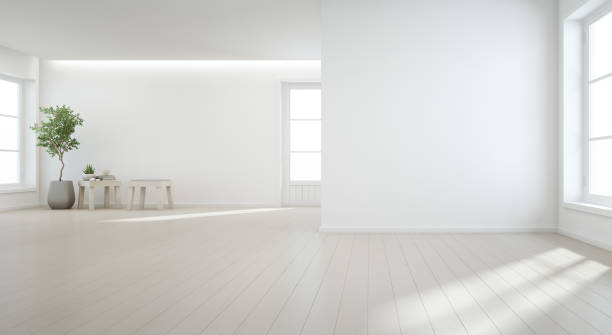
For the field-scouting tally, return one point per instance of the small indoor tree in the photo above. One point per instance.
(55, 134)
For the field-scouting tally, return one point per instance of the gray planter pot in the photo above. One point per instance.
(61, 194)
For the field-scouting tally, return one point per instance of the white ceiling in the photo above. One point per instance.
(162, 29)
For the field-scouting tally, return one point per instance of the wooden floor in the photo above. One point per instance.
(267, 271)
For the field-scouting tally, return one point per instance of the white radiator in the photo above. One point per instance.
(304, 195)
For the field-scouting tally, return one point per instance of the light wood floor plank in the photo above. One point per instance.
(504, 317)
(268, 271)
(180, 309)
(230, 319)
(472, 315)
(413, 318)
(383, 317)
(559, 312)
(295, 311)
(262, 318)
(86, 297)
(201, 316)
(583, 306)
(561, 276)
(352, 315)
(128, 323)
(321, 318)
(579, 262)
(444, 318)
(537, 318)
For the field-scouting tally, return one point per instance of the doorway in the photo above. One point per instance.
(301, 109)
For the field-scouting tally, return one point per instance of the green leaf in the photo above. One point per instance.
(55, 133)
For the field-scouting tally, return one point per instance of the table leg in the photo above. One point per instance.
(143, 191)
(92, 200)
(132, 190)
(169, 195)
(81, 196)
(106, 196)
(160, 200)
(117, 197)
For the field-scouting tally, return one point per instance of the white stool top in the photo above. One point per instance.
(149, 182)
(91, 183)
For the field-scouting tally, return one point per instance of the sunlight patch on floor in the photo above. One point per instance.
(563, 277)
(194, 215)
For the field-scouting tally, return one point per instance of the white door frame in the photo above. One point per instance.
(287, 183)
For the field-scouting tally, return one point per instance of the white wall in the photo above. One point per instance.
(576, 220)
(439, 115)
(19, 65)
(213, 127)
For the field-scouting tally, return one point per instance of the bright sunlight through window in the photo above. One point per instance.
(599, 86)
(9, 132)
(305, 134)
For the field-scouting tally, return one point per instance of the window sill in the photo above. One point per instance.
(17, 189)
(589, 208)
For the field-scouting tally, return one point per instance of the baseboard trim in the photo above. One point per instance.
(344, 229)
(149, 205)
(20, 207)
(585, 239)
(226, 204)
(196, 205)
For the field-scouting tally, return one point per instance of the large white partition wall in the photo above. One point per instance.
(213, 127)
(439, 115)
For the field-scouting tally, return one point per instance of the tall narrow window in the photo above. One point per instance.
(305, 134)
(10, 144)
(302, 143)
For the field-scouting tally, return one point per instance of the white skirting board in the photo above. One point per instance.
(15, 208)
(153, 204)
(225, 204)
(345, 229)
(584, 239)
(202, 204)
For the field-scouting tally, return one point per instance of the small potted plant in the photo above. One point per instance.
(89, 172)
(55, 135)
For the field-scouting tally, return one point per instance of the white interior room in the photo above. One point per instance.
(306, 167)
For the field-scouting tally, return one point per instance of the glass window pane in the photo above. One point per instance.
(9, 98)
(305, 103)
(305, 135)
(9, 134)
(600, 116)
(600, 166)
(600, 47)
(305, 166)
(9, 167)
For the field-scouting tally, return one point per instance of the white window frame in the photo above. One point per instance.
(287, 86)
(20, 131)
(587, 195)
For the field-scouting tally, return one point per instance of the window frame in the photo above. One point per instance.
(587, 82)
(287, 88)
(20, 131)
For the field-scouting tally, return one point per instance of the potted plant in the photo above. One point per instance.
(89, 172)
(55, 135)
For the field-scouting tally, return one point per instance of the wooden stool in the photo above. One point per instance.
(107, 184)
(159, 184)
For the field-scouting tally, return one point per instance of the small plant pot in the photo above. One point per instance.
(88, 176)
(61, 194)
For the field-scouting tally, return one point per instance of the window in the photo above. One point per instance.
(301, 111)
(10, 134)
(599, 108)
(305, 134)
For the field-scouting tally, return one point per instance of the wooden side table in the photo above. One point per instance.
(160, 184)
(92, 184)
